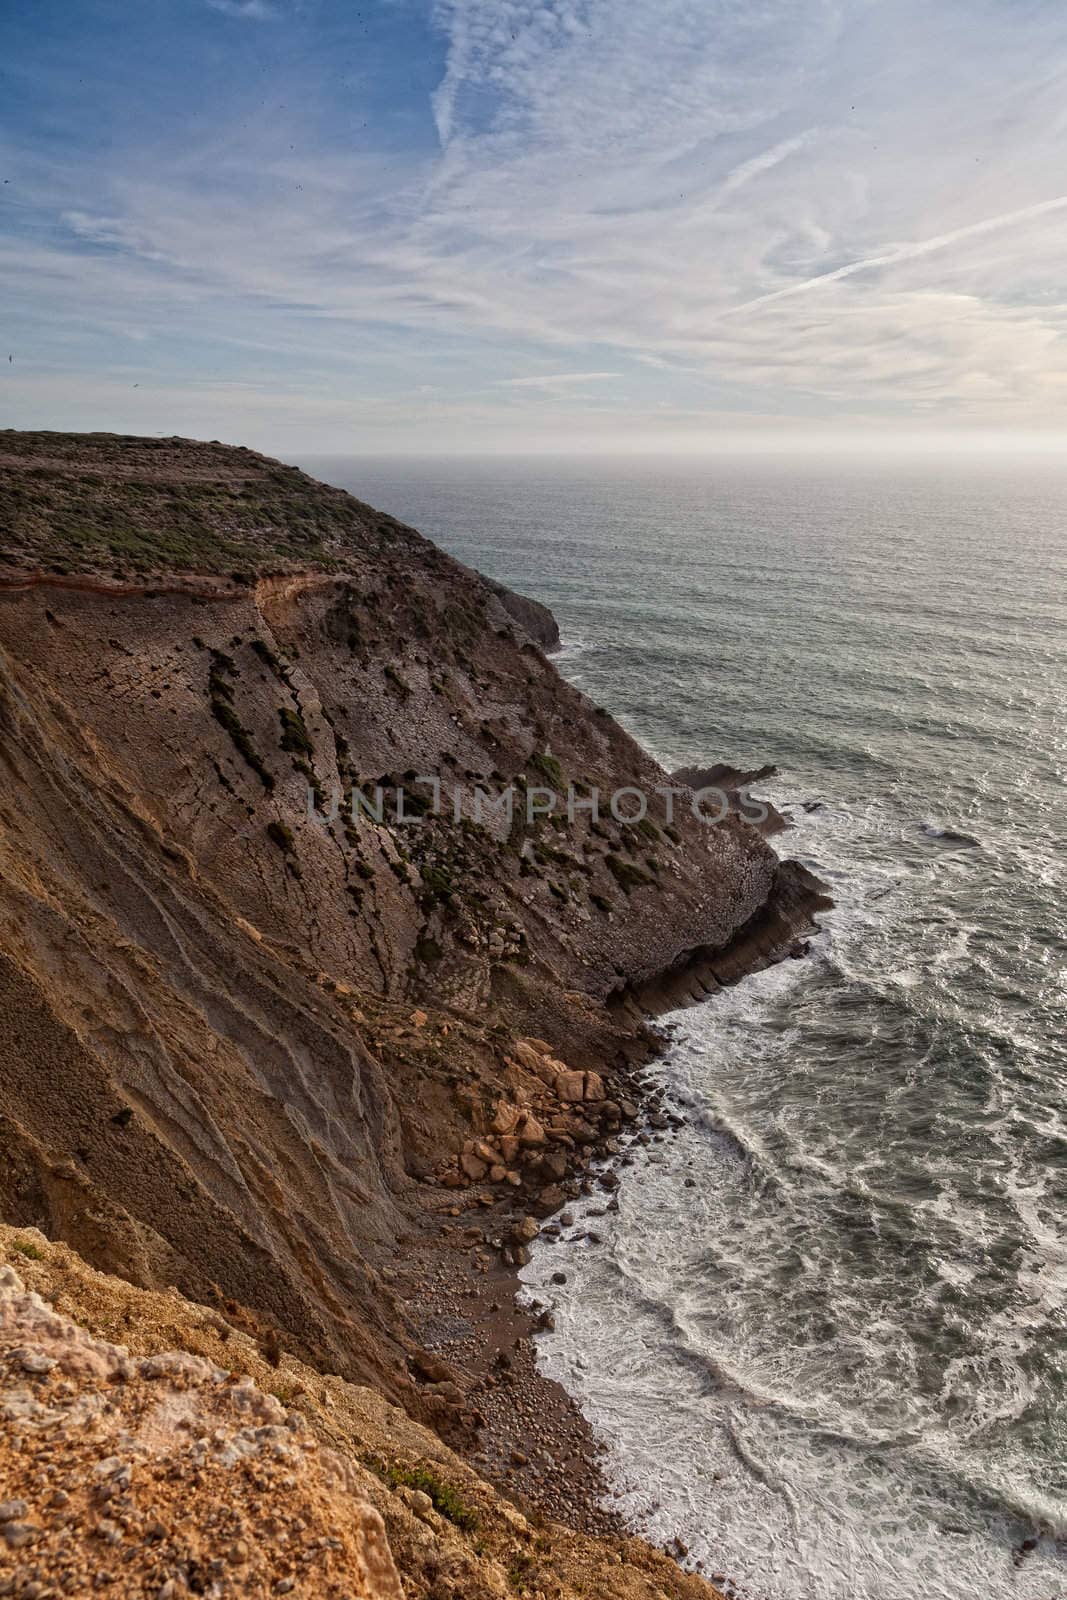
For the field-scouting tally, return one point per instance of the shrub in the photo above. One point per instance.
(224, 714)
(626, 875)
(267, 656)
(446, 1500)
(295, 736)
(439, 885)
(547, 767)
(282, 836)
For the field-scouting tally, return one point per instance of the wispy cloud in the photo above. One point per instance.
(704, 207)
(556, 380)
(252, 10)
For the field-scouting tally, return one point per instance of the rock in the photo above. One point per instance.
(553, 1165)
(528, 1057)
(505, 1117)
(539, 1046)
(594, 1086)
(420, 1503)
(475, 1169)
(550, 1199)
(35, 1361)
(532, 1134)
(559, 1277)
(628, 1110)
(570, 1087)
(509, 1148)
(19, 1534)
(13, 1510)
(526, 1231)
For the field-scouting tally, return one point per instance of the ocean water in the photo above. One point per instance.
(824, 1338)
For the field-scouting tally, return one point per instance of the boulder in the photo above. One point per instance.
(549, 1200)
(594, 1086)
(474, 1169)
(553, 1165)
(531, 1133)
(505, 1117)
(570, 1087)
(527, 1056)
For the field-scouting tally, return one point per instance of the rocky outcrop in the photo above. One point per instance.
(165, 1475)
(536, 620)
(147, 1447)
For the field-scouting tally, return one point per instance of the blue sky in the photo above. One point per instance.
(488, 225)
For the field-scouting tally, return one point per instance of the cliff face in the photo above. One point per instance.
(241, 1043)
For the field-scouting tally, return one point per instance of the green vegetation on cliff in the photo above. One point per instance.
(128, 507)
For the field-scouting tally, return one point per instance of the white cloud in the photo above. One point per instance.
(252, 10)
(807, 209)
(556, 380)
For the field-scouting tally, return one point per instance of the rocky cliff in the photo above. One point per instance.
(264, 985)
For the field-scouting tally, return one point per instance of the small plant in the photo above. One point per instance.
(295, 736)
(626, 875)
(602, 903)
(267, 656)
(446, 1500)
(281, 835)
(439, 886)
(547, 767)
(26, 1247)
(394, 677)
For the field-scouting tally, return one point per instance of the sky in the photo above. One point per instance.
(536, 225)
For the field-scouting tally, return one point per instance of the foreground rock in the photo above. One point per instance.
(163, 1475)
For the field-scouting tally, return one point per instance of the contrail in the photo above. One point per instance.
(906, 252)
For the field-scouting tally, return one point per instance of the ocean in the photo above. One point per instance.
(824, 1337)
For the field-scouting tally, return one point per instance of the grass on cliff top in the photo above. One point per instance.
(129, 507)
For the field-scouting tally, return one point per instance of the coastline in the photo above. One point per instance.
(463, 1300)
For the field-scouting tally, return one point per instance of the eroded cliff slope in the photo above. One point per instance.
(245, 1043)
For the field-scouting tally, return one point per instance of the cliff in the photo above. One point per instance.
(262, 1046)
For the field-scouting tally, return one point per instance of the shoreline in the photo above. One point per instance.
(534, 1444)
